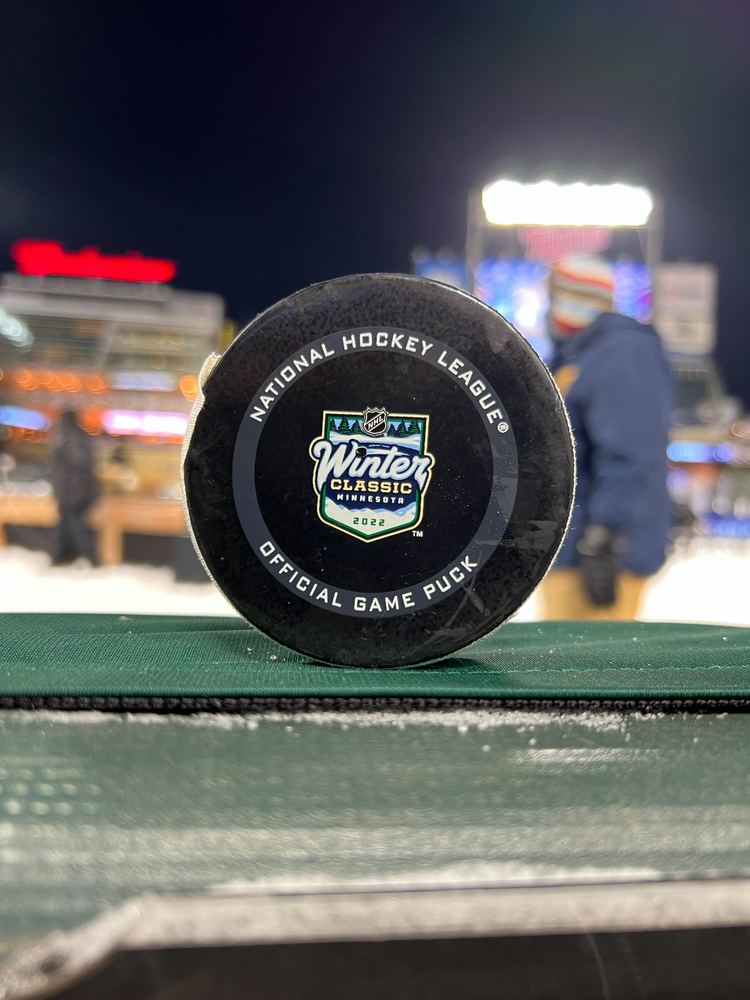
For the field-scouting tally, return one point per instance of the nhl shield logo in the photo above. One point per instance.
(371, 471)
(375, 422)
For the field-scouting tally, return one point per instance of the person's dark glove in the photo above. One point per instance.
(597, 549)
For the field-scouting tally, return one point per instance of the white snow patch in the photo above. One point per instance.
(461, 875)
(462, 721)
(29, 583)
(708, 583)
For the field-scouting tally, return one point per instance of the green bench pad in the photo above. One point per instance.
(49, 656)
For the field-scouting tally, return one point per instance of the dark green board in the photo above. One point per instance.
(95, 808)
(98, 807)
(151, 656)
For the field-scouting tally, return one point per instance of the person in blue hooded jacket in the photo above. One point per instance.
(616, 383)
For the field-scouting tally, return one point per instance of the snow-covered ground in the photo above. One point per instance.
(29, 583)
(709, 582)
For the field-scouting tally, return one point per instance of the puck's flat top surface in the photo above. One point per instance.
(380, 472)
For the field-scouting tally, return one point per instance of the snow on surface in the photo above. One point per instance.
(29, 583)
(707, 583)
(461, 720)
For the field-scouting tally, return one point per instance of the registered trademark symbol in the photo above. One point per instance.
(502, 427)
(417, 533)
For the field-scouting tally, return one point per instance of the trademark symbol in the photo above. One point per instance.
(502, 427)
(417, 534)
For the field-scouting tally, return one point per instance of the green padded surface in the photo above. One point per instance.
(96, 808)
(151, 656)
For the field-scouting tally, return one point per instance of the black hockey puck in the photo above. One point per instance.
(380, 471)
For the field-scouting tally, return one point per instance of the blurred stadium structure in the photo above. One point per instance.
(107, 336)
(110, 336)
(516, 230)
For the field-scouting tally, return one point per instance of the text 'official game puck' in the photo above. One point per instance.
(380, 471)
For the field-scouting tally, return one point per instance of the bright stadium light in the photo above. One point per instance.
(509, 203)
(14, 330)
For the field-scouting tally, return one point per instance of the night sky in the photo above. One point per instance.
(267, 146)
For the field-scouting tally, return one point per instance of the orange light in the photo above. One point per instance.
(57, 380)
(91, 421)
(26, 380)
(95, 383)
(26, 434)
(189, 386)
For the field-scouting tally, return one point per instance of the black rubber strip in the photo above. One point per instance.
(232, 705)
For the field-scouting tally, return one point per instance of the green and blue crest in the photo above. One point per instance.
(371, 471)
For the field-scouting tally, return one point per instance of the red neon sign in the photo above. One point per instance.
(43, 257)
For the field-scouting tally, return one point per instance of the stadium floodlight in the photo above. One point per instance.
(611, 206)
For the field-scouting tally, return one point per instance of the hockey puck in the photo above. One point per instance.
(379, 472)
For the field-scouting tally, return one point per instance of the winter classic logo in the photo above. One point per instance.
(371, 471)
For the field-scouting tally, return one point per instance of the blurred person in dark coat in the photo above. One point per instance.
(75, 488)
(616, 382)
